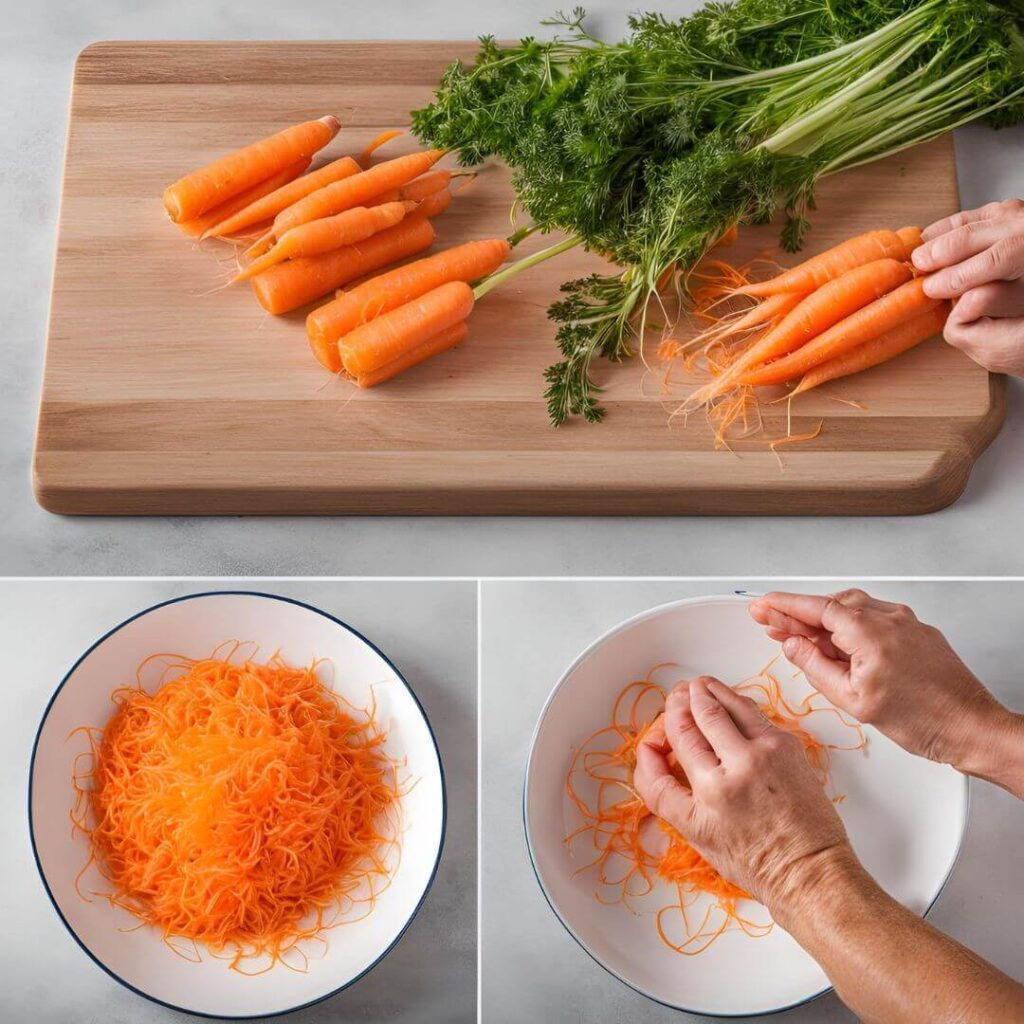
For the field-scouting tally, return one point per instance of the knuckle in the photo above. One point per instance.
(771, 743)
(973, 303)
(957, 335)
(1012, 205)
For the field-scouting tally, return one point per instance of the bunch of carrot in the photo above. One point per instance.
(319, 231)
(849, 308)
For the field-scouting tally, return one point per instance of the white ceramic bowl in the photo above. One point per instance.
(194, 626)
(905, 816)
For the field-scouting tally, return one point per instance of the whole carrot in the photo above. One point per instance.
(401, 331)
(435, 204)
(906, 302)
(446, 339)
(217, 182)
(813, 273)
(201, 225)
(320, 236)
(273, 203)
(468, 262)
(886, 346)
(298, 282)
(349, 192)
(417, 190)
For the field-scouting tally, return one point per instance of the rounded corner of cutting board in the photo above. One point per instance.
(944, 481)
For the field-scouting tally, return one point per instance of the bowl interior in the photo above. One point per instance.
(905, 815)
(194, 627)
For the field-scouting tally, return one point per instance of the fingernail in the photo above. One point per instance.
(790, 645)
(699, 690)
(920, 257)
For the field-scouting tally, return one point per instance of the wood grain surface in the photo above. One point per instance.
(160, 397)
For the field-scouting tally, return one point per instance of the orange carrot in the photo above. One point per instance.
(832, 302)
(434, 205)
(270, 206)
(426, 184)
(201, 225)
(418, 189)
(813, 273)
(891, 310)
(298, 282)
(395, 334)
(379, 295)
(219, 181)
(320, 236)
(886, 346)
(448, 338)
(375, 144)
(765, 312)
(349, 192)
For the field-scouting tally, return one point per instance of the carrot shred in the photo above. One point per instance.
(374, 144)
(240, 806)
(633, 855)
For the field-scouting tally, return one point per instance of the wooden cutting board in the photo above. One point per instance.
(160, 398)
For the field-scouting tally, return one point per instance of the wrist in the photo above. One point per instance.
(997, 752)
(824, 877)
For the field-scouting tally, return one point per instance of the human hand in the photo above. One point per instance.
(753, 807)
(977, 258)
(877, 662)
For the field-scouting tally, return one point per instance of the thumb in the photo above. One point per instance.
(825, 674)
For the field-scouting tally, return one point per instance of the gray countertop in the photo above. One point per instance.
(531, 968)
(428, 629)
(40, 41)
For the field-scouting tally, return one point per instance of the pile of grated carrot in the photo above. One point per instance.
(242, 806)
(628, 850)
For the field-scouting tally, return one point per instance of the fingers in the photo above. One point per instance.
(803, 608)
(959, 244)
(1001, 261)
(714, 720)
(829, 676)
(779, 626)
(688, 743)
(744, 712)
(996, 299)
(821, 640)
(956, 220)
(663, 794)
(996, 343)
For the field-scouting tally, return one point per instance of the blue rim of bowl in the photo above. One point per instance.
(735, 597)
(437, 753)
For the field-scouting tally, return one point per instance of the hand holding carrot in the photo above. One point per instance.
(752, 805)
(878, 662)
(977, 258)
